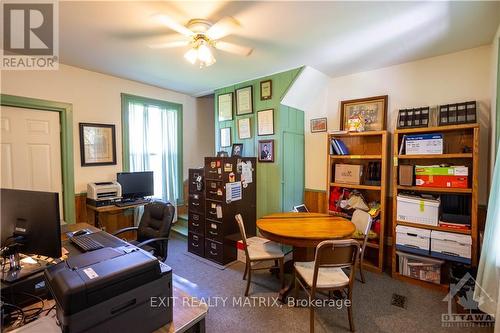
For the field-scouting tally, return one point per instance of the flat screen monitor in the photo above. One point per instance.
(136, 184)
(34, 218)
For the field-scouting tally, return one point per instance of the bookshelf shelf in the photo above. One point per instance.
(435, 189)
(364, 148)
(455, 138)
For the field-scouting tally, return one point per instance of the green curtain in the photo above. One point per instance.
(488, 277)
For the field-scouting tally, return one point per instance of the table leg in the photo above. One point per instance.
(299, 254)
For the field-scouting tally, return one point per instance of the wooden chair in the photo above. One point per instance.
(260, 251)
(325, 273)
(363, 222)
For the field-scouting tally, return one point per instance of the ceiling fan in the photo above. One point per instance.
(201, 36)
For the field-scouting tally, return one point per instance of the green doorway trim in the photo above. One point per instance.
(67, 164)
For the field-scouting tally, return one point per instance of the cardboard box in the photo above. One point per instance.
(348, 173)
(417, 210)
(424, 144)
(415, 240)
(451, 246)
(434, 170)
(406, 175)
(442, 181)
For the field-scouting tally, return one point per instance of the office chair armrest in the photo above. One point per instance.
(125, 230)
(152, 240)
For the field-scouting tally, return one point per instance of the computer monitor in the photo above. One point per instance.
(136, 184)
(31, 219)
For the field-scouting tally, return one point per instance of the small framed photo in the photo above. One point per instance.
(225, 106)
(244, 129)
(266, 150)
(225, 137)
(237, 150)
(244, 101)
(97, 144)
(318, 125)
(265, 122)
(222, 154)
(371, 111)
(266, 90)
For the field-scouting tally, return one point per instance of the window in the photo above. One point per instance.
(152, 141)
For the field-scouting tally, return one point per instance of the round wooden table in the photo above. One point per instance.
(304, 234)
(295, 215)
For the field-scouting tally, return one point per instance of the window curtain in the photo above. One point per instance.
(153, 146)
(487, 289)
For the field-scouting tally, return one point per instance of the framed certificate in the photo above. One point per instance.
(225, 106)
(244, 130)
(266, 90)
(244, 101)
(97, 144)
(265, 122)
(225, 137)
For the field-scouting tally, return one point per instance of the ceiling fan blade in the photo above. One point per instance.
(233, 48)
(172, 24)
(223, 27)
(168, 45)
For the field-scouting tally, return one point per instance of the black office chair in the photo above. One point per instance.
(154, 229)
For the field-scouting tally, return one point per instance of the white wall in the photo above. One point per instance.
(455, 77)
(96, 98)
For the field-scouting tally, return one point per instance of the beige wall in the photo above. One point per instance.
(96, 98)
(454, 77)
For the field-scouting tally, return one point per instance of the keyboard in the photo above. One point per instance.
(131, 203)
(86, 243)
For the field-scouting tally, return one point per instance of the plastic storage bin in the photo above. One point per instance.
(420, 268)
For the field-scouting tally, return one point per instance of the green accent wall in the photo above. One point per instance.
(280, 185)
(66, 119)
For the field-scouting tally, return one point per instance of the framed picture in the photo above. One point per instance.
(225, 106)
(266, 90)
(266, 150)
(372, 110)
(265, 122)
(225, 137)
(244, 101)
(237, 150)
(222, 154)
(244, 129)
(318, 125)
(97, 144)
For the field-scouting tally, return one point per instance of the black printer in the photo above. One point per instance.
(111, 290)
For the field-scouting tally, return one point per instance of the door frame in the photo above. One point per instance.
(65, 111)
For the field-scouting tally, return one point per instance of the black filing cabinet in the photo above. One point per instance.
(196, 212)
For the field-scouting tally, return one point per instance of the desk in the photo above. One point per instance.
(112, 209)
(186, 317)
(304, 234)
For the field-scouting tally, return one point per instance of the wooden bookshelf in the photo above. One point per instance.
(454, 139)
(365, 147)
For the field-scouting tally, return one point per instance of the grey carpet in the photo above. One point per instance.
(372, 307)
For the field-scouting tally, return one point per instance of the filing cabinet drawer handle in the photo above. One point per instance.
(196, 217)
(209, 171)
(195, 245)
(196, 224)
(211, 212)
(212, 253)
(213, 233)
(195, 204)
(212, 192)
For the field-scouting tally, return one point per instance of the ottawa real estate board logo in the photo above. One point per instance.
(30, 35)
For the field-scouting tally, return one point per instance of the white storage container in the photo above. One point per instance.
(413, 240)
(421, 268)
(451, 246)
(417, 210)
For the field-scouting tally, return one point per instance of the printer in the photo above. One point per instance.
(103, 193)
(111, 290)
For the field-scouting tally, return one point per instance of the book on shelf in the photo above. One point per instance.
(402, 145)
(338, 147)
(454, 226)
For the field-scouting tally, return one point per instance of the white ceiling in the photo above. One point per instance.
(337, 38)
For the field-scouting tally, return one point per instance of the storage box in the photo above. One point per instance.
(406, 175)
(451, 246)
(435, 170)
(348, 173)
(417, 210)
(424, 144)
(421, 268)
(413, 240)
(442, 181)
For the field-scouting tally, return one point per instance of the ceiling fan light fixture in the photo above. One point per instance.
(191, 56)
(200, 51)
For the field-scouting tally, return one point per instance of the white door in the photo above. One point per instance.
(30, 157)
